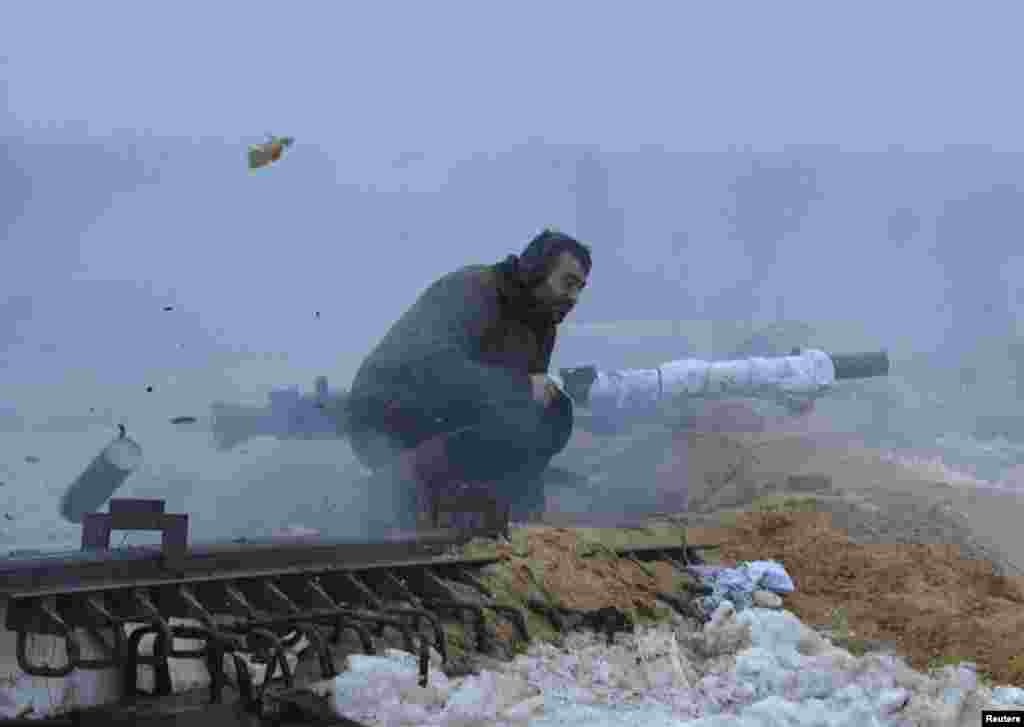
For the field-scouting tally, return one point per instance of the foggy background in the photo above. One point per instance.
(851, 174)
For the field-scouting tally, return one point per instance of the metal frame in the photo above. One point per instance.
(258, 597)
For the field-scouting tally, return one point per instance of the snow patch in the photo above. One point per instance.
(757, 668)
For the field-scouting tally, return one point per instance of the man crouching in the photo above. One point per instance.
(456, 398)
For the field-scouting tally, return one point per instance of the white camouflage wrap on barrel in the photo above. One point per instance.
(789, 378)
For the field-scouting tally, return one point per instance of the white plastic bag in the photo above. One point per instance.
(769, 575)
(737, 585)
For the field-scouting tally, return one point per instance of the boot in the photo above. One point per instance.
(441, 497)
(464, 505)
(419, 471)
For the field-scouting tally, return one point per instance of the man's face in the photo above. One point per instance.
(561, 289)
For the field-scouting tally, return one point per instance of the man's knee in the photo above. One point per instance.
(533, 429)
(373, 449)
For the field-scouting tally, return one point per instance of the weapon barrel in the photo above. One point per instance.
(289, 415)
(234, 424)
(860, 365)
(802, 374)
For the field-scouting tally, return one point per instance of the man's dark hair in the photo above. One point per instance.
(540, 255)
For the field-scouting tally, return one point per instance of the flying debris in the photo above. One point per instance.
(265, 154)
(108, 471)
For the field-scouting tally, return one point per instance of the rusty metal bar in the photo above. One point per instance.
(362, 589)
(460, 607)
(144, 566)
(429, 581)
(316, 639)
(71, 646)
(277, 657)
(328, 618)
(218, 643)
(465, 576)
(322, 600)
(416, 614)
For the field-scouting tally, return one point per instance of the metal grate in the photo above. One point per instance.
(258, 598)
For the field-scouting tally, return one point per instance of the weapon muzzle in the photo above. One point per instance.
(860, 365)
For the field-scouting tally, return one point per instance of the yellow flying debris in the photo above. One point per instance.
(262, 155)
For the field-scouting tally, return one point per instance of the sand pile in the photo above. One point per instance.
(577, 568)
(927, 602)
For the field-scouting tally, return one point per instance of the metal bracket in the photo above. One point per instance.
(137, 514)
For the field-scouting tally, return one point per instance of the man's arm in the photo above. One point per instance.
(462, 309)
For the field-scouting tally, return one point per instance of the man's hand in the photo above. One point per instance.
(544, 389)
(798, 406)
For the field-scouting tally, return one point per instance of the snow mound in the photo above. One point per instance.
(757, 668)
(385, 691)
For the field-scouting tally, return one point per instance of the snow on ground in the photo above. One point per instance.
(965, 461)
(758, 668)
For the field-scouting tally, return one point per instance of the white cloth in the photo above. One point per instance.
(804, 376)
(737, 585)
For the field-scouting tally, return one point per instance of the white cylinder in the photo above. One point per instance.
(807, 375)
(107, 472)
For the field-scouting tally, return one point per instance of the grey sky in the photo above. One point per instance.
(365, 79)
(436, 134)
(178, 93)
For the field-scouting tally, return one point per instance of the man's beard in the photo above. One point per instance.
(555, 311)
(559, 314)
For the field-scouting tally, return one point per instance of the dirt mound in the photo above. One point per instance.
(577, 572)
(544, 568)
(931, 603)
(883, 556)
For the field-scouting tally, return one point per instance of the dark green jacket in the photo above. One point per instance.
(472, 336)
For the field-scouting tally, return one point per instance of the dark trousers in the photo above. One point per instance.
(508, 444)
